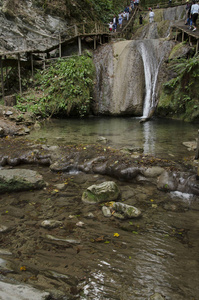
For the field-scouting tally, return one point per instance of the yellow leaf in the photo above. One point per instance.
(6, 211)
(152, 200)
(23, 268)
(84, 148)
(55, 190)
(116, 234)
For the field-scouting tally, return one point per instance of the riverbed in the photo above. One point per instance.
(89, 256)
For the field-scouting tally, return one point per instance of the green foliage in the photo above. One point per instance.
(184, 87)
(64, 88)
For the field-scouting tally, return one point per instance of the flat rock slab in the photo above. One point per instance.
(21, 292)
(19, 180)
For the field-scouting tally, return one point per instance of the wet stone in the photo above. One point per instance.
(21, 292)
(157, 296)
(3, 228)
(49, 224)
(68, 240)
(106, 211)
(106, 191)
(127, 211)
(19, 180)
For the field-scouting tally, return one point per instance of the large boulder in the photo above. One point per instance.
(106, 191)
(19, 180)
(182, 182)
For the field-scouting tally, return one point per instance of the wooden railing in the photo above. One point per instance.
(165, 4)
(47, 41)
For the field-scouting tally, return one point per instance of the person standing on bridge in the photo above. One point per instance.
(151, 16)
(120, 19)
(194, 13)
(114, 23)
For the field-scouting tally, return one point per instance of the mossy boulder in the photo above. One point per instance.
(106, 191)
(13, 180)
(124, 211)
(180, 50)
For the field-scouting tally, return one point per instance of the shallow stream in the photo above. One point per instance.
(153, 257)
(159, 137)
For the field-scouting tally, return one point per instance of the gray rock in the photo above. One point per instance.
(106, 211)
(3, 228)
(1, 131)
(19, 180)
(127, 211)
(5, 266)
(190, 145)
(167, 182)
(49, 224)
(90, 216)
(5, 252)
(106, 191)
(8, 113)
(60, 186)
(157, 296)
(182, 182)
(68, 240)
(21, 292)
(153, 171)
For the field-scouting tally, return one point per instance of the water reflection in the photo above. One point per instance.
(158, 137)
(149, 140)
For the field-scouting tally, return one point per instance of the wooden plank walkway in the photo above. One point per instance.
(183, 33)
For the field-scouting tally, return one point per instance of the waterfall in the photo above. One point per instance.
(128, 77)
(151, 65)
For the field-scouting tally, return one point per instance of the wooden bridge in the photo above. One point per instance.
(93, 34)
(182, 33)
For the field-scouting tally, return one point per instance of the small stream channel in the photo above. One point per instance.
(154, 257)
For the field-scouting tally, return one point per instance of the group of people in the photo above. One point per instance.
(123, 15)
(192, 11)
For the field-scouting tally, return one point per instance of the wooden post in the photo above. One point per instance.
(197, 47)
(44, 58)
(25, 44)
(83, 29)
(100, 39)
(197, 148)
(19, 73)
(79, 46)
(190, 43)
(7, 83)
(76, 32)
(2, 83)
(95, 43)
(176, 34)
(95, 27)
(59, 44)
(32, 65)
(182, 36)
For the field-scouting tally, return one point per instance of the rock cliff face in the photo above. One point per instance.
(130, 73)
(25, 25)
(127, 75)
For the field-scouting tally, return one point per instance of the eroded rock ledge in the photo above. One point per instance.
(97, 159)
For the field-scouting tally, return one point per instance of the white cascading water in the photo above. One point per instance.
(151, 68)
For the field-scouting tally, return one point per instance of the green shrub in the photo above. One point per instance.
(65, 88)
